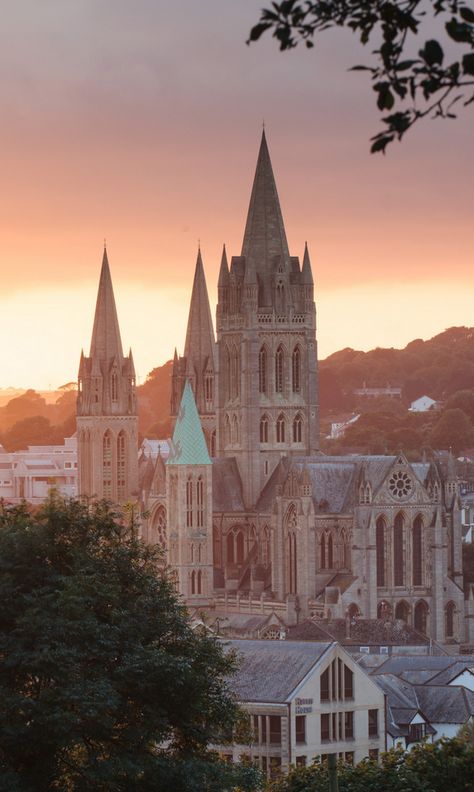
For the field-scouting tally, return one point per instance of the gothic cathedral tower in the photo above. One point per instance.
(266, 339)
(107, 418)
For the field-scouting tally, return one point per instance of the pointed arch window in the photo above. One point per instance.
(189, 503)
(417, 551)
(234, 373)
(227, 372)
(330, 549)
(450, 618)
(107, 465)
(322, 552)
(159, 528)
(280, 428)
(121, 466)
(227, 430)
(230, 548)
(209, 388)
(264, 429)
(297, 428)
(114, 386)
(279, 360)
(420, 617)
(199, 582)
(262, 370)
(240, 547)
(212, 444)
(380, 527)
(398, 554)
(200, 501)
(402, 611)
(296, 370)
(193, 582)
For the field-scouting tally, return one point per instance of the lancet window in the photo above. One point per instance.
(264, 429)
(398, 554)
(121, 466)
(417, 551)
(200, 501)
(297, 428)
(280, 428)
(279, 360)
(189, 502)
(107, 465)
(380, 529)
(296, 370)
(262, 370)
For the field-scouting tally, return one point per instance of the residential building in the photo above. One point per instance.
(305, 700)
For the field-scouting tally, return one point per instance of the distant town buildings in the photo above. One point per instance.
(31, 474)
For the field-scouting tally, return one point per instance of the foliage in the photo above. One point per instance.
(452, 430)
(408, 86)
(103, 683)
(447, 764)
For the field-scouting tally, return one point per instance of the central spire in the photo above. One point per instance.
(106, 342)
(264, 239)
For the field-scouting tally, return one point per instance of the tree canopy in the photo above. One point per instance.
(437, 767)
(103, 683)
(409, 84)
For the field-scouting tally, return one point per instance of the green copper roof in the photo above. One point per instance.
(188, 446)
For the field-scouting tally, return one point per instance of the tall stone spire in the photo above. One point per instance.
(198, 362)
(265, 239)
(199, 345)
(107, 417)
(106, 343)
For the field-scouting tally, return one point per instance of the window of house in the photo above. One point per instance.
(275, 729)
(348, 683)
(349, 725)
(416, 731)
(374, 754)
(324, 685)
(300, 728)
(275, 766)
(349, 757)
(301, 761)
(325, 727)
(264, 728)
(373, 723)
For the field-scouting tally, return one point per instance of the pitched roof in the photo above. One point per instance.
(226, 486)
(188, 446)
(106, 342)
(265, 237)
(271, 670)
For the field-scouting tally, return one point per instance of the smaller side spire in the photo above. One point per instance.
(224, 270)
(306, 271)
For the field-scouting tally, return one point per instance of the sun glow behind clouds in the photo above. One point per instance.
(47, 328)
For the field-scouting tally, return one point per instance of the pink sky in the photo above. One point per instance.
(140, 122)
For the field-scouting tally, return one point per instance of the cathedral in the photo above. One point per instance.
(254, 521)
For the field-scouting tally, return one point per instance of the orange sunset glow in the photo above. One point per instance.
(140, 122)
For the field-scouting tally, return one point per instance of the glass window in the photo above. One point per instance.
(300, 728)
(373, 723)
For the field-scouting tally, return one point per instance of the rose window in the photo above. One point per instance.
(400, 484)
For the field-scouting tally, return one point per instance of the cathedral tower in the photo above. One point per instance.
(198, 362)
(107, 418)
(266, 338)
(189, 495)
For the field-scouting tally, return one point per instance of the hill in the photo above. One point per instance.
(440, 367)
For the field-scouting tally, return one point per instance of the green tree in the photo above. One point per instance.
(104, 686)
(452, 430)
(437, 767)
(408, 86)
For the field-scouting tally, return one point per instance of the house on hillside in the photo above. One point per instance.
(423, 404)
